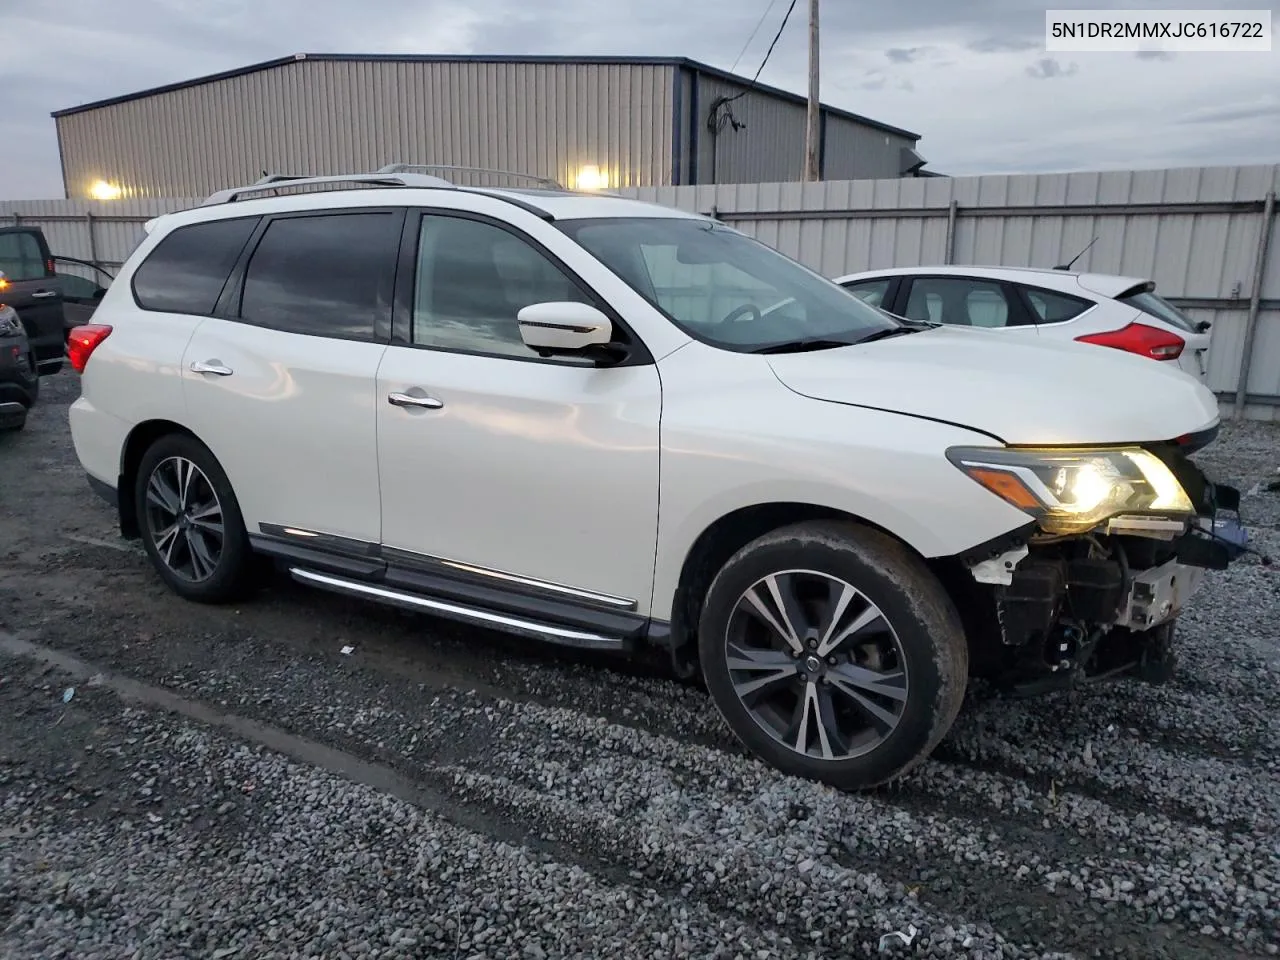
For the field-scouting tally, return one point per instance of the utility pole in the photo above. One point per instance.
(812, 121)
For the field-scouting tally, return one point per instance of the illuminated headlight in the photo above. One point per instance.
(9, 322)
(1073, 491)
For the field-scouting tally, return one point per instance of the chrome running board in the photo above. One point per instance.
(565, 636)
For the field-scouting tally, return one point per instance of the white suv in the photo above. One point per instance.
(568, 416)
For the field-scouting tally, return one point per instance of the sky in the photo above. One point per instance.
(971, 76)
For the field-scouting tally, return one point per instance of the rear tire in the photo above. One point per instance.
(190, 521)
(882, 659)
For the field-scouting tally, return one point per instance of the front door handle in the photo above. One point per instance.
(408, 400)
(43, 294)
(211, 366)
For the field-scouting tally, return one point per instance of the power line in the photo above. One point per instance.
(759, 24)
(720, 114)
(769, 52)
(713, 119)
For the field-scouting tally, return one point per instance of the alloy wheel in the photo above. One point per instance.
(816, 664)
(184, 519)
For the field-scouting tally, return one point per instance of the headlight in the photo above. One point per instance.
(9, 322)
(1072, 491)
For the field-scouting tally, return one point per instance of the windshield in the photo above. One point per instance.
(1156, 306)
(725, 288)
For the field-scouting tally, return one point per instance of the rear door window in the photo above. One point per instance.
(961, 301)
(21, 257)
(324, 275)
(187, 270)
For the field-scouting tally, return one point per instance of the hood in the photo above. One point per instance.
(1022, 390)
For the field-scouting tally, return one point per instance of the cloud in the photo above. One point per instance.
(1266, 111)
(1049, 67)
(905, 54)
(1003, 45)
(59, 53)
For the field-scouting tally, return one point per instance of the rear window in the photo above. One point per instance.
(1156, 306)
(20, 256)
(186, 271)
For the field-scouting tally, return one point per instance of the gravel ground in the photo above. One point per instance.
(225, 783)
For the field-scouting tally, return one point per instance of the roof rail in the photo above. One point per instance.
(546, 182)
(273, 183)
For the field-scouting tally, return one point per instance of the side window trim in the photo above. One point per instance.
(1024, 291)
(406, 279)
(227, 282)
(228, 305)
(893, 298)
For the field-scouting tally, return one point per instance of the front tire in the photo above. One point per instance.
(833, 653)
(190, 521)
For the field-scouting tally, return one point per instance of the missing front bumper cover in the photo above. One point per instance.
(1158, 595)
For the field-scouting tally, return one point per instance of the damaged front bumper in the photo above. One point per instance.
(1103, 602)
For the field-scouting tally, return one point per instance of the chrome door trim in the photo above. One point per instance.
(620, 603)
(391, 555)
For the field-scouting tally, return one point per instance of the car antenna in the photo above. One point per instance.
(1069, 263)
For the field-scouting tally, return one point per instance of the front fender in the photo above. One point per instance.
(779, 447)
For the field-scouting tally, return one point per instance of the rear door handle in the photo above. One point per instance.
(209, 366)
(408, 400)
(43, 294)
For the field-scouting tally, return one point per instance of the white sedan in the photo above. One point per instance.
(1120, 312)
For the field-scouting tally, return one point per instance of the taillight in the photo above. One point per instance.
(1140, 339)
(82, 341)
(49, 268)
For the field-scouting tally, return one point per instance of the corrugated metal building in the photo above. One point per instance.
(638, 121)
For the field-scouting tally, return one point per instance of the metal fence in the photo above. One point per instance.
(1206, 236)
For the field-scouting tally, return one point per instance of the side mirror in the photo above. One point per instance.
(564, 328)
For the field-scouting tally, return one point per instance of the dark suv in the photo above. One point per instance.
(32, 288)
(19, 384)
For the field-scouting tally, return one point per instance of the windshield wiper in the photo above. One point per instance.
(804, 343)
(892, 332)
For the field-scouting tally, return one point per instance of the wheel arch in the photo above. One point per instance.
(724, 537)
(136, 444)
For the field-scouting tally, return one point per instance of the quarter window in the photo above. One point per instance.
(186, 271)
(328, 276)
(1052, 307)
(473, 278)
(869, 291)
